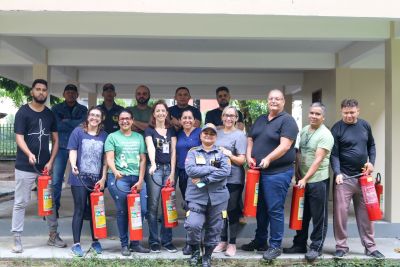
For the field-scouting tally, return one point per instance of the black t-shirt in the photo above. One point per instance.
(266, 137)
(214, 116)
(354, 146)
(162, 144)
(111, 117)
(176, 112)
(36, 127)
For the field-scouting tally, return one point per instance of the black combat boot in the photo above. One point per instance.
(195, 258)
(208, 250)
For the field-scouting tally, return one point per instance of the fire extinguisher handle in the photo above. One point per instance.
(378, 178)
(133, 190)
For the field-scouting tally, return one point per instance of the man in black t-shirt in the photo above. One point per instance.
(270, 146)
(353, 152)
(214, 116)
(34, 125)
(182, 97)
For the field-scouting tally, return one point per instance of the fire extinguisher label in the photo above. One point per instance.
(136, 216)
(47, 199)
(369, 194)
(100, 214)
(381, 201)
(255, 200)
(301, 209)
(171, 208)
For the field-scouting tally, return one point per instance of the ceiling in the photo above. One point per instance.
(249, 54)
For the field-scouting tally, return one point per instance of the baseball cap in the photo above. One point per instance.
(209, 126)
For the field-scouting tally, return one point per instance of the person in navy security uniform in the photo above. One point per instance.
(206, 194)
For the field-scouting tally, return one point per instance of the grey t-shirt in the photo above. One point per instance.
(236, 142)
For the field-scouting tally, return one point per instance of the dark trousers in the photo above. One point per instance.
(182, 181)
(81, 198)
(315, 208)
(234, 213)
(204, 217)
(270, 209)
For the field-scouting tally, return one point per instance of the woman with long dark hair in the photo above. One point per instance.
(161, 142)
(126, 159)
(86, 145)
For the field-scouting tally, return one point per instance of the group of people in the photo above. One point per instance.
(145, 147)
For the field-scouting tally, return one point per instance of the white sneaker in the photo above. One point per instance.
(17, 248)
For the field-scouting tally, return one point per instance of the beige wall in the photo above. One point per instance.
(314, 80)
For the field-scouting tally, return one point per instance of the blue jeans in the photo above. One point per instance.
(154, 192)
(124, 184)
(270, 209)
(60, 163)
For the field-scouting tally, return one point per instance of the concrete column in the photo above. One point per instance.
(92, 99)
(42, 71)
(392, 127)
(288, 103)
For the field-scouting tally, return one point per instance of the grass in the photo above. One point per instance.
(94, 261)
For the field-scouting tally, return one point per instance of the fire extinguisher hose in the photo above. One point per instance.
(83, 183)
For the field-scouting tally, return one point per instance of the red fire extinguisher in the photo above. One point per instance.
(379, 191)
(135, 215)
(168, 199)
(98, 213)
(251, 192)
(367, 184)
(296, 211)
(45, 193)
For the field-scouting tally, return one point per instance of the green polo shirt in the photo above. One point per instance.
(309, 143)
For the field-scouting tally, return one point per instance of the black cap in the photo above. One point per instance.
(71, 87)
(108, 86)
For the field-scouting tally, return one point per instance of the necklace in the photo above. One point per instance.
(309, 137)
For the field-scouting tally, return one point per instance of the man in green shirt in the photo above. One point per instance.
(142, 110)
(312, 170)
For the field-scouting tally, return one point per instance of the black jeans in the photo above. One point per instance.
(315, 208)
(182, 181)
(234, 212)
(81, 198)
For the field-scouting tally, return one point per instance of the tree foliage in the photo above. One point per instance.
(251, 110)
(20, 93)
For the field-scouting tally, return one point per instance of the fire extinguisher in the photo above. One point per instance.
(168, 199)
(297, 208)
(98, 213)
(251, 192)
(134, 213)
(367, 184)
(44, 192)
(379, 191)
(99, 221)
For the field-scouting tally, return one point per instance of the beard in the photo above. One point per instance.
(142, 100)
(223, 104)
(39, 101)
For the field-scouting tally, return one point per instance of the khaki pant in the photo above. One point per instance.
(23, 186)
(343, 194)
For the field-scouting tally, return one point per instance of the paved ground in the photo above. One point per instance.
(36, 248)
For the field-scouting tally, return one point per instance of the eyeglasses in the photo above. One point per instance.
(95, 115)
(230, 116)
(125, 119)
